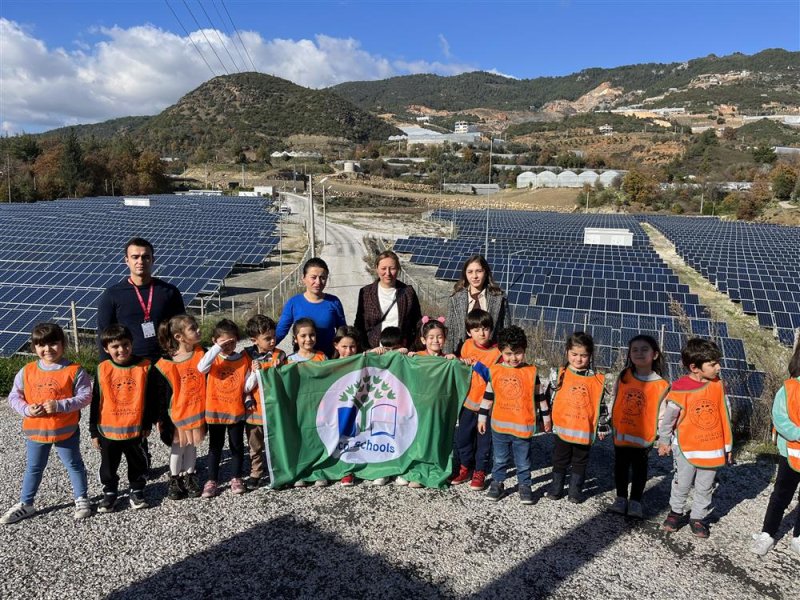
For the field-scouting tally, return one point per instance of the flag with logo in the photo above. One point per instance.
(373, 416)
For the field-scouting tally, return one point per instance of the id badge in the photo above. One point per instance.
(148, 329)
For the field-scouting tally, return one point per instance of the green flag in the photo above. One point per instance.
(374, 416)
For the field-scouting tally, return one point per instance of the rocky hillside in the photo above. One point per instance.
(739, 78)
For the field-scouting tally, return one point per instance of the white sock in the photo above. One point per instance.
(189, 458)
(175, 460)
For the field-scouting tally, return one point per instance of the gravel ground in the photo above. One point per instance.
(388, 541)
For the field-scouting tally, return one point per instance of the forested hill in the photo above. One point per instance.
(243, 110)
(775, 69)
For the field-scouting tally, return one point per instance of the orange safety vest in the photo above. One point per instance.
(122, 398)
(485, 357)
(793, 410)
(40, 386)
(187, 404)
(704, 429)
(514, 408)
(255, 416)
(225, 390)
(576, 406)
(634, 416)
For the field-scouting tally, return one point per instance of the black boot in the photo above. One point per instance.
(556, 489)
(576, 488)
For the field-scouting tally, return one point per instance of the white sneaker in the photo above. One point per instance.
(619, 506)
(416, 485)
(380, 481)
(299, 483)
(762, 543)
(17, 513)
(83, 508)
(795, 544)
(635, 510)
(400, 481)
(321, 483)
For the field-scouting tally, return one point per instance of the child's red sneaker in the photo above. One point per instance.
(464, 475)
(478, 481)
(349, 480)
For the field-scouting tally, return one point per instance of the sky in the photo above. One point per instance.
(84, 61)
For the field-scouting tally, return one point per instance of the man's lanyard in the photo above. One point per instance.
(145, 309)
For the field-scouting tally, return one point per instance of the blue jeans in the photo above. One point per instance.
(69, 451)
(505, 446)
(473, 448)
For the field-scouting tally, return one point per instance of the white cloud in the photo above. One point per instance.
(445, 46)
(143, 69)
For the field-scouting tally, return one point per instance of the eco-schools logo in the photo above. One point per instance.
(367, 416)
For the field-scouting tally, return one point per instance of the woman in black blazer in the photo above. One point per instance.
(475, 289)
(387, 303)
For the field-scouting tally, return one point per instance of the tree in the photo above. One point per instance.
(25, 148)
(764, 155)
(783, 179)
(640, 187)
(71, 167)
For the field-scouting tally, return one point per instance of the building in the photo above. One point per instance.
(606, 129)
(464, 127)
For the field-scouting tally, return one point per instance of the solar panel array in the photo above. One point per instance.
(756, 264)
(70, 250)
(556, 282)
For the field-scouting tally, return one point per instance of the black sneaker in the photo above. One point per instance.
(176, 491)
(673, 522)
(699, 529)
(108, 503)
(525, 494)
(252, 483)
(495, 491)
(191, 485)
(137, 500)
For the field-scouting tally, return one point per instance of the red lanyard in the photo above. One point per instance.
(145, 309)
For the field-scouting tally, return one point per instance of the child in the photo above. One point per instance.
(391, 340)
(511, 398)
(473, 449)
(182, 389)
(786, 417)
(698, 415)
(49, 394)
(634, 420)
(123, 411)
(263, 355)
(345, 342)
(578, 414)
(304, 333)
(433, 335)
(226, 387)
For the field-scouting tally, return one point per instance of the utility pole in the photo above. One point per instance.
(486, 241)
(312, 233)
(8, 176)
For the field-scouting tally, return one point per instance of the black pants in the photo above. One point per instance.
(111, 453)
(216, 440)
(785, 486)
(630, 466)
(566, 454)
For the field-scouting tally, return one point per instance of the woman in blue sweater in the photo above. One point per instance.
(324, 309)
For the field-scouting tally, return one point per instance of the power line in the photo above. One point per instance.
(190, 38)
(203, 31)
(219, 37)
(237, 34)
(239, 52)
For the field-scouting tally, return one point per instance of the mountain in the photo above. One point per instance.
(774, 71)
(244, 110)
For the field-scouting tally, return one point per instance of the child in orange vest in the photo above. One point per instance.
(786, 417)
(123, 411)
(579, 414)
(511, 399)
(638, 394)
(49, 394)
(304, 333)
(226, 385)
(697, 417)
(182, 394)
(261, 330)
(472, 448)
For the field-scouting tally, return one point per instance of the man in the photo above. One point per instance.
(139, 302)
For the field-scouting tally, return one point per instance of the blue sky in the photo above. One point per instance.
(81, 61)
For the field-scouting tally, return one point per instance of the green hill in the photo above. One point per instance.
(246, 110)
(768, 133)
(486, 90)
